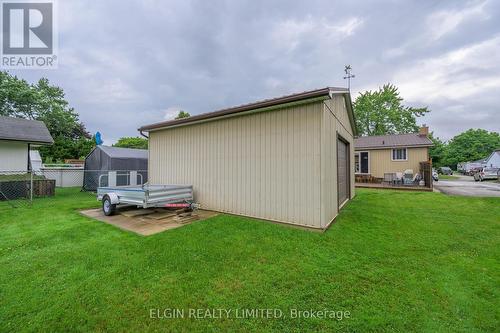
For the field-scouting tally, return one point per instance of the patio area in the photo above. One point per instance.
(398, 180)
(394, 186)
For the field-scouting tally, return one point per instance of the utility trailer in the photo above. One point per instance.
(145, 196)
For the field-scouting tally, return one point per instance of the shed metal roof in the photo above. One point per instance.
(328, 91)
(388, 141)
(20, 129)
(117, 152)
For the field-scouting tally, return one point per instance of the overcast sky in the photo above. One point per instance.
(124, 64)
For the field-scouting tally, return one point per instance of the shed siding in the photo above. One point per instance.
(335, 121)
(265, 165)
(13, 156)
(381, 161)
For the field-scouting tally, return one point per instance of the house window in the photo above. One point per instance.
(356, 163)
(399, 154)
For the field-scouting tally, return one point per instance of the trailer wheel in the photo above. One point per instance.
(107, 207)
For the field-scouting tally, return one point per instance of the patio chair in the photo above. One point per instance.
(408, 177)
(417, 178)
(399, 178)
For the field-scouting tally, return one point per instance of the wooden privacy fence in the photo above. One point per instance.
(44, 187)
(426, 172)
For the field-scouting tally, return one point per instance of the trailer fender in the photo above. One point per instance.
(115, 200)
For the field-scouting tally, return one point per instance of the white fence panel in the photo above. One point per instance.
(65, 177)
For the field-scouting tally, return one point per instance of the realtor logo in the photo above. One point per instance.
(28, 35)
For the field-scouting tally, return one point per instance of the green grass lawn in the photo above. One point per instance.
(397, 261)
(448, 177)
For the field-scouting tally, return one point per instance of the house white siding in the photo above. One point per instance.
(36, 160)
(13, 156)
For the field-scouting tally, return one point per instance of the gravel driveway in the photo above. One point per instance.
(468, 187)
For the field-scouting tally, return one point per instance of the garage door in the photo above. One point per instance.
(342, 170)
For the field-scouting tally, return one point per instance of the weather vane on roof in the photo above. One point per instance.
(349, 75)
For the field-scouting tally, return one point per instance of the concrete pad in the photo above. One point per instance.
(142, 224)
(161, 215)
(136, 212)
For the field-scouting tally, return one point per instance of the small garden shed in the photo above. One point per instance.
(120, 163)
(17, 137)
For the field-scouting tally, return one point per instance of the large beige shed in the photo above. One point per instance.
(288, 159)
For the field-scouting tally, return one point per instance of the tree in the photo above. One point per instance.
(382, 112)
(64, 148)
(45, 102)
(183, 114)
(130, 142)
(17, 98)
(471, 145)
(437, 151)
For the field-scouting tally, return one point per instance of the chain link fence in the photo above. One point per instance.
(25, 189)
(15, 189)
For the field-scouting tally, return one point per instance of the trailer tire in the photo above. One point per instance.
(108, 208)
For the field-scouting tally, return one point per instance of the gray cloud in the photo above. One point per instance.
(126, 64)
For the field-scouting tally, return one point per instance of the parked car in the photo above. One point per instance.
(445, 171)
(486, 173)
(435, 175)
(473, 171)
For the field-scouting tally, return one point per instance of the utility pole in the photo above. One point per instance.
(349, 75)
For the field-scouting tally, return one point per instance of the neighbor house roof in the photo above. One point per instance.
(117, 152)
(495, 152)
(20, 129)
(389, 141)
(324, 92)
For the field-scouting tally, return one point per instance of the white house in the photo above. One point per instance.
(17, 137)
(493, 161)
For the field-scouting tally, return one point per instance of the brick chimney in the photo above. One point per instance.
(424, 130)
